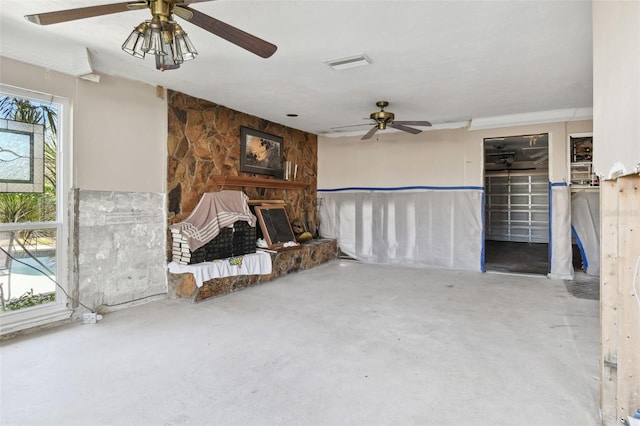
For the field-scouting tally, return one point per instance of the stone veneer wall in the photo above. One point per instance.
(121, 247)
(204, 140)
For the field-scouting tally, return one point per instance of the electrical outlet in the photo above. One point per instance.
(91, 318)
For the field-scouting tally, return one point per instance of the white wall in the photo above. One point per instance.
(445, 158)
(616, 91)
(121, 136)
(119, 127)
(119, 139)
(397, 159)
(432, 158)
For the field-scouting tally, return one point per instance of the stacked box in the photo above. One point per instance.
(232, 241)
(218, 248)
(244, 238)
(180, 248)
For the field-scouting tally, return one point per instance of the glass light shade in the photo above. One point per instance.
(175, 54)
(153, 43)
(169, 46)
(133, 44)
(168, 35)
(166, 62)
(184, 48)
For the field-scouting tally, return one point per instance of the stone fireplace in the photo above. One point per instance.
(204, 154)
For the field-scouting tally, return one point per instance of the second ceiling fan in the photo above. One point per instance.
(384, 118)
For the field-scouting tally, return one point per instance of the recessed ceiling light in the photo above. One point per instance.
(350, 62)
(292, 115)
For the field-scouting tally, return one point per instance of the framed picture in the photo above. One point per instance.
(260, 153)
(275, 225)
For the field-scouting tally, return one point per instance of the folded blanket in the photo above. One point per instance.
(215, 210)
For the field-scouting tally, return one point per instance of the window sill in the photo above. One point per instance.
(14, 321)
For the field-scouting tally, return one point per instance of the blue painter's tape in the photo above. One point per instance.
(557, 183)
(482, 267)
(583, 255)
(405, 188)
(551, 184)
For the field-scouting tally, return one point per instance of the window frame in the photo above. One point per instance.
(61, 308)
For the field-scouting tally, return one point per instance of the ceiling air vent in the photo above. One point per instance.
(350, 62)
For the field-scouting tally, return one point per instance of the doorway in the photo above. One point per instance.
(517, 204)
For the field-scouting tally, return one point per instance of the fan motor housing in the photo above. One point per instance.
(382, 118)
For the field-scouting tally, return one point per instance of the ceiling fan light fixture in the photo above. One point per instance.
(166, 40)
(133, 44)
(161, 36)
(172, 59)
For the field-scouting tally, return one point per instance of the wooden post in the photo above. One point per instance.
(628, 309)
(608, 301)
(619, 310)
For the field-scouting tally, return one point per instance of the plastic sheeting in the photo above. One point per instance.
(585, 216)
(560, 232)
(421, 228)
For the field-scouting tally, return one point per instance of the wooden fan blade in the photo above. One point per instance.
(411, 130)
(414, 123)
(83, 12)
(236, 36)
(370, 133)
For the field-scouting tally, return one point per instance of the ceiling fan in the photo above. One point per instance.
(383, 118)
(161, 35)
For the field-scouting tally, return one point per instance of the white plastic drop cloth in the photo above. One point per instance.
(560, 238)
(585, 216)
(440, 228)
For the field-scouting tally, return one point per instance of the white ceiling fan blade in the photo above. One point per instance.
(183, 13)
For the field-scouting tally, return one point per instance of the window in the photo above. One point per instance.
(21, 157)
(34, 183)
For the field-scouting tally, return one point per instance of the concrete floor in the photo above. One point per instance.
(522, 258)
(341, 344)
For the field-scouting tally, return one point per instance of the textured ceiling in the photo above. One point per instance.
(442, 61)
(527, 152)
